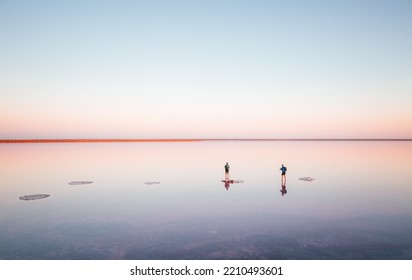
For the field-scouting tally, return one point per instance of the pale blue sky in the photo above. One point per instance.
(177, 69)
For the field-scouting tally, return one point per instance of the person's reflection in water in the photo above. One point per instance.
(283, 190)
(227, 184)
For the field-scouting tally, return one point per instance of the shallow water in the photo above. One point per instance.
(168, 201)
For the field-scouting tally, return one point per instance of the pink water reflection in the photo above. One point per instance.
(354, 181)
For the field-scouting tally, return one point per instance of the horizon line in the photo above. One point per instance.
(114, 140)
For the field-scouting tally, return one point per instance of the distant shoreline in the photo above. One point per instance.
(22, 141)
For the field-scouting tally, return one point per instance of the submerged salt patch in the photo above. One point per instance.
(307, 179)
(151, 183)
(33, 196)
(233, 181)
(80, 182)
(238, 181)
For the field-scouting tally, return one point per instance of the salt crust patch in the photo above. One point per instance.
(238, 181)
(33, 196)
(74, 183)
(151, 183)
(307, 179)
(233, 181)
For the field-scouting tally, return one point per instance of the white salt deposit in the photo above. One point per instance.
(152, 183)
(80, 182)
(238, 181)
(33, 196)
(307, 179)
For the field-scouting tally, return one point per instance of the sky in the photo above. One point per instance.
(205, 69)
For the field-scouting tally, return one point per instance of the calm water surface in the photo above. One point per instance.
(358, 207)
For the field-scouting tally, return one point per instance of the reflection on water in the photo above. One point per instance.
(283, 185)
(227, 183)
(348, 212)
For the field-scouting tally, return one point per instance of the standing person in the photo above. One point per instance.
(283, 169)
(227, 167)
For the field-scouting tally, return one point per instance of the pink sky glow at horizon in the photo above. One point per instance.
(208, 69)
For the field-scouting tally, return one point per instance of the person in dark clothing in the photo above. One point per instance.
(227, 167)
(283, 180)
(283, 169)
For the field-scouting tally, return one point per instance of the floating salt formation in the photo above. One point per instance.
(152, 183)
(80, 182)
(238, 181)
(233, 181)
(307, 179)
(33, 196)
